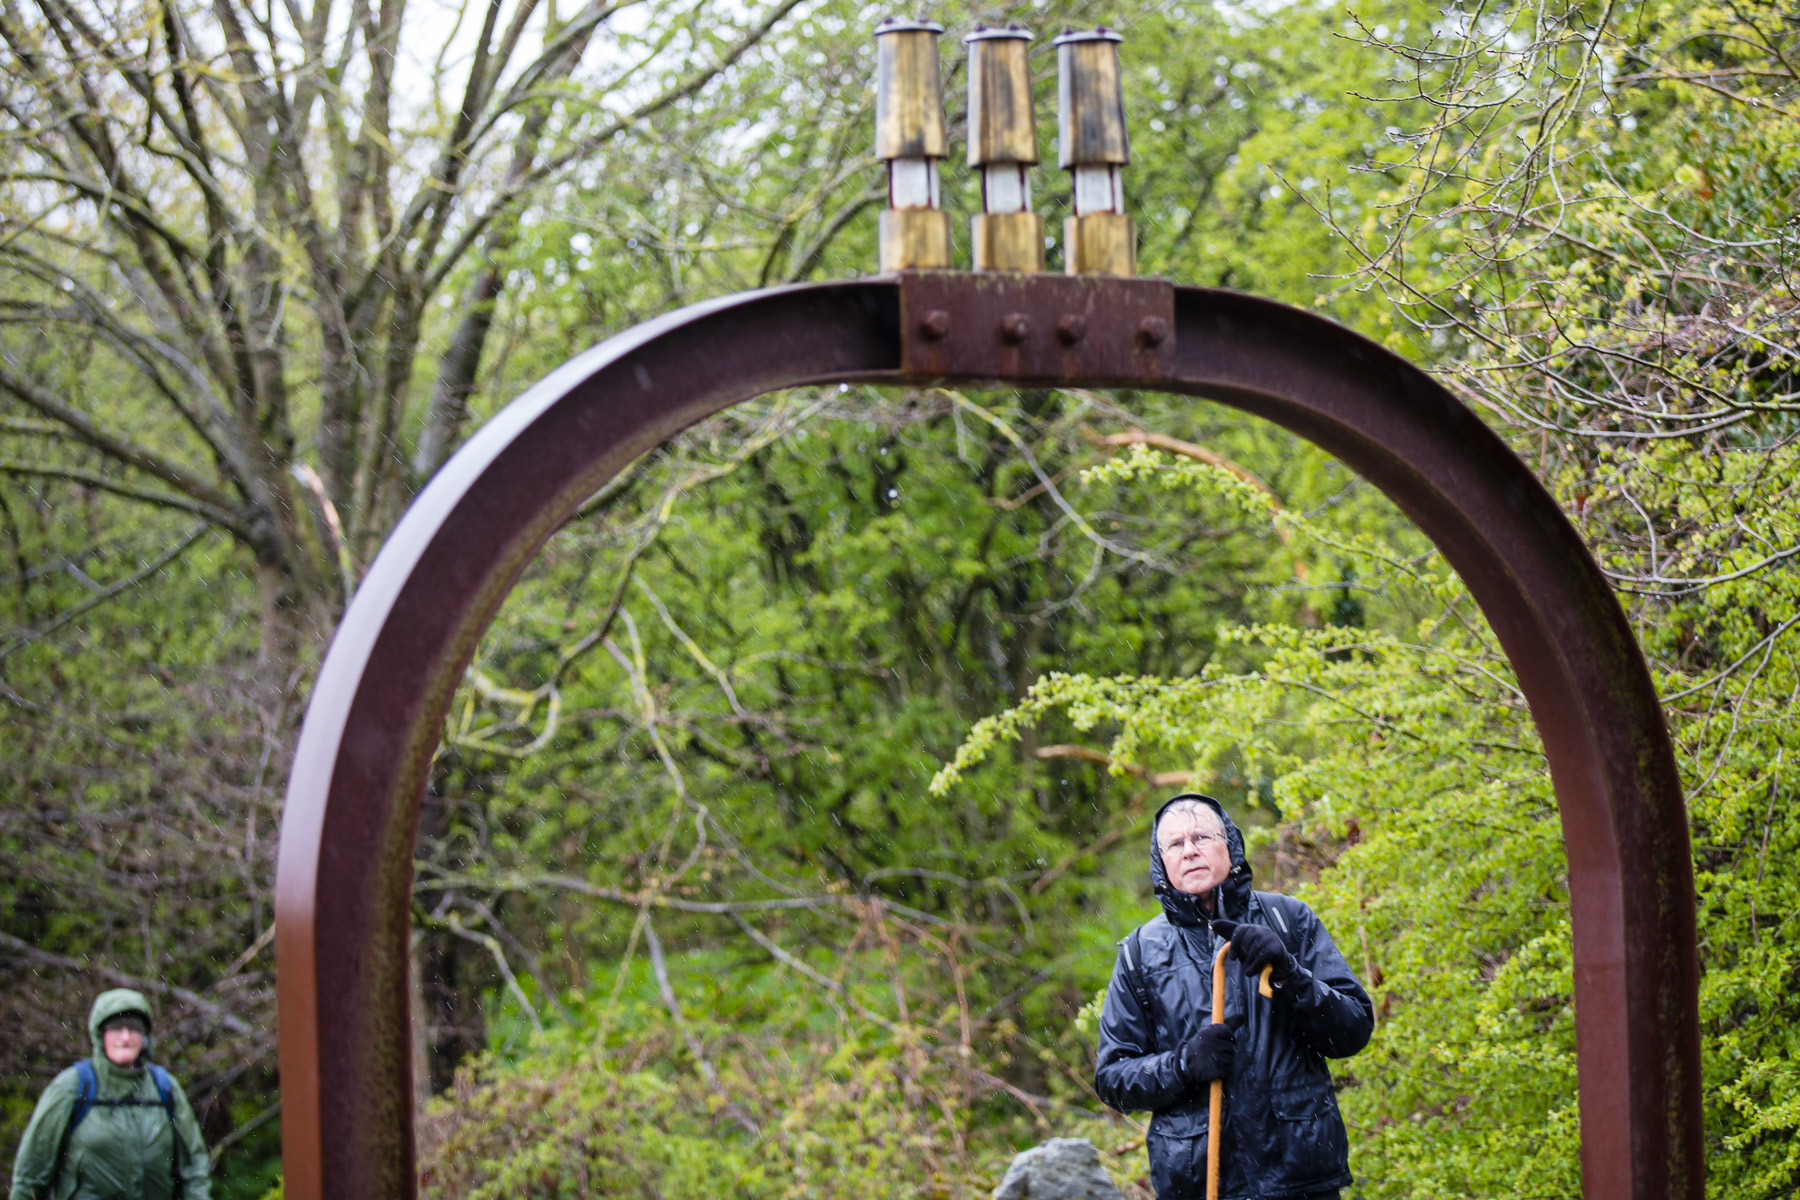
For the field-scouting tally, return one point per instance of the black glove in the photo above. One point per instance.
(1256, 946)
(1208, 1054)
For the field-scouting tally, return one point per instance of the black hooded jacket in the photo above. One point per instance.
(1281, 1134)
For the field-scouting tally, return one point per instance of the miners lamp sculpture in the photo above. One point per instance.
(1092, 146)
(911, 138)
(1006, 235)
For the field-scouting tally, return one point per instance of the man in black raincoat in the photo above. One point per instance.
(1281, 1135)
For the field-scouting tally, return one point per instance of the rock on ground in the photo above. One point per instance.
(1059, 1169)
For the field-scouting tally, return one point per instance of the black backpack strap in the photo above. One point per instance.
(1134, 958)
(1278, 920)
(1134, 975)
(87, 1088)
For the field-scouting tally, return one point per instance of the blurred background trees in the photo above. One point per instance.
(689, 912)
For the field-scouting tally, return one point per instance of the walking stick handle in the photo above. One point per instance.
(1216, 1104)
(1217, 1107)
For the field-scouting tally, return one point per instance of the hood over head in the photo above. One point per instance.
(1180, 907)
(108, 1005)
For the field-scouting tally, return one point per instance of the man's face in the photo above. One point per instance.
(123, 1044)
(1194, 853)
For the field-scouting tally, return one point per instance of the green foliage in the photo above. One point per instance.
(543, 1131)
(1591, 235)
(1402, 760)
(725, 695)
(798, 1105)
(1618, 293)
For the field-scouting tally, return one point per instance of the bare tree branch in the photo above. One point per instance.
(214, 1012)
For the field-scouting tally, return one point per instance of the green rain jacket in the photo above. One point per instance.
(117, 1153)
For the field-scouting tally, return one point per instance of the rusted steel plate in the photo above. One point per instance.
(1036, 328)
(343, 884)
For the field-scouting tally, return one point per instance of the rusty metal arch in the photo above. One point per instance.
(343, 883)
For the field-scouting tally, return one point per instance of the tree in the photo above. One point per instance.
(250, 264)
(244, 219)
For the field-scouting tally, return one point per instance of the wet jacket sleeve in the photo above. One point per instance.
(1129, 1075)
(36, 1158)
(196, 1164)
(1331, 1012)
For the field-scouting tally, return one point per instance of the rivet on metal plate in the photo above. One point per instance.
(1015, 328)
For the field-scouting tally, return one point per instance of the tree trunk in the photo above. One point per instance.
(449, 406)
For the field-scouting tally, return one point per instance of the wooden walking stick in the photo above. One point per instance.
(1217, 1108)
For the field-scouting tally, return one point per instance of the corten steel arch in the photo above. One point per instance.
(343, 886)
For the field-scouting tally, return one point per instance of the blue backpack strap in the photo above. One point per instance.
(165, 1091)
(87, 1090)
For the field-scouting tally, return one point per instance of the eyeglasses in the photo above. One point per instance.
(1198, 841)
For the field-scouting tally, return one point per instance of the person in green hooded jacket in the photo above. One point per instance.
(137, 1138)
